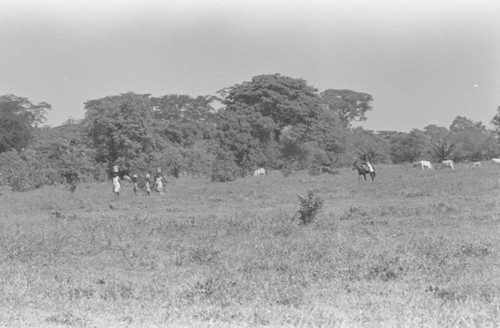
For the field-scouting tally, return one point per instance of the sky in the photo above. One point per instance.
(423, 61)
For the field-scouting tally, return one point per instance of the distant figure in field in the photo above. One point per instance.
(148, 184)
(159, 181)
(136, 183)
(116, 184)
(477, 164)
(447, 164)
(364, 168)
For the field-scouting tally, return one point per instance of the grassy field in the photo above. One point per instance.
(414, 249)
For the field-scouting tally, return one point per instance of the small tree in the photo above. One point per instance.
(309, 207)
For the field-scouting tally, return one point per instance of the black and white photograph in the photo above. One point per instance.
(249, 163)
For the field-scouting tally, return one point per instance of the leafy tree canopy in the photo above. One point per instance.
(256, 111)
(183, 119)
(409, 147)
(349, 105)
(121, 128)
(18, 120)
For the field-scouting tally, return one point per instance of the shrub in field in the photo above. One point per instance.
(224, 171)
(309, 207)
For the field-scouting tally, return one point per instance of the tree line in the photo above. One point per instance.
(271, 121)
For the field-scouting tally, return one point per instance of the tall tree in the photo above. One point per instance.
(256, 111)
(349, 105)
(18, 120)
(442, 142)
(121, 129)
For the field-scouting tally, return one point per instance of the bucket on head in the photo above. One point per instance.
(158, 170)
(115, 168)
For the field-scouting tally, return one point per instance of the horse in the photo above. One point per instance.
(363, 169)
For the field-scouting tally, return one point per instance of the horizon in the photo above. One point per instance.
(423, 62)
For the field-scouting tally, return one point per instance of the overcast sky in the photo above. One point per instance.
(423, 61)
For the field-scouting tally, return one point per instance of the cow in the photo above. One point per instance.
(477, 164)
(423, 165)
(260, 171)
(496, 160)
(447, 163)
(363, 169)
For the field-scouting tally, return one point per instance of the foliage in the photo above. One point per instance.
(367, 145)
(347, 104)
(474, 141)
(495, 121)
(330, 136)
(66, 149)
(256, 111)
(18, 120)
(409, 147)
(442, 143)
(310, 206)
(121, 129)
(25, 170)
(225, 168)
(182, 119)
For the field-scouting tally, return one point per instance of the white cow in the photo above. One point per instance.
(423, 165)
(447, 163)
(496, 160)
(477, 164)
(259, 171)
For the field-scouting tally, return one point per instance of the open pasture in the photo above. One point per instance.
(413, 249)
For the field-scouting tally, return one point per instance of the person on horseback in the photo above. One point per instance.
(364, 167)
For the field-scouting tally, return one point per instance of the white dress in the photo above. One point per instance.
(116, 184)
(159, 184)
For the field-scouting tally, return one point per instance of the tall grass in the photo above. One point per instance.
(414, 249)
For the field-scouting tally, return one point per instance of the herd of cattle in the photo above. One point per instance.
(426, 165)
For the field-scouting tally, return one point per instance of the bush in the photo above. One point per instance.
(224, 171)
(309, 207)
(225, 168)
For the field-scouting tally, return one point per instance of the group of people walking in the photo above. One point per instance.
(148, 182)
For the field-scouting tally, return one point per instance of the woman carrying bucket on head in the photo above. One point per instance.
(159, 181)
(135, 178)
(116, 181)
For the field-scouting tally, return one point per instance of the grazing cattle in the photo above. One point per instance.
(477, 164)
(363, 169)
(259, 171)
(496, 160)
(423, 165)
(447, 163)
